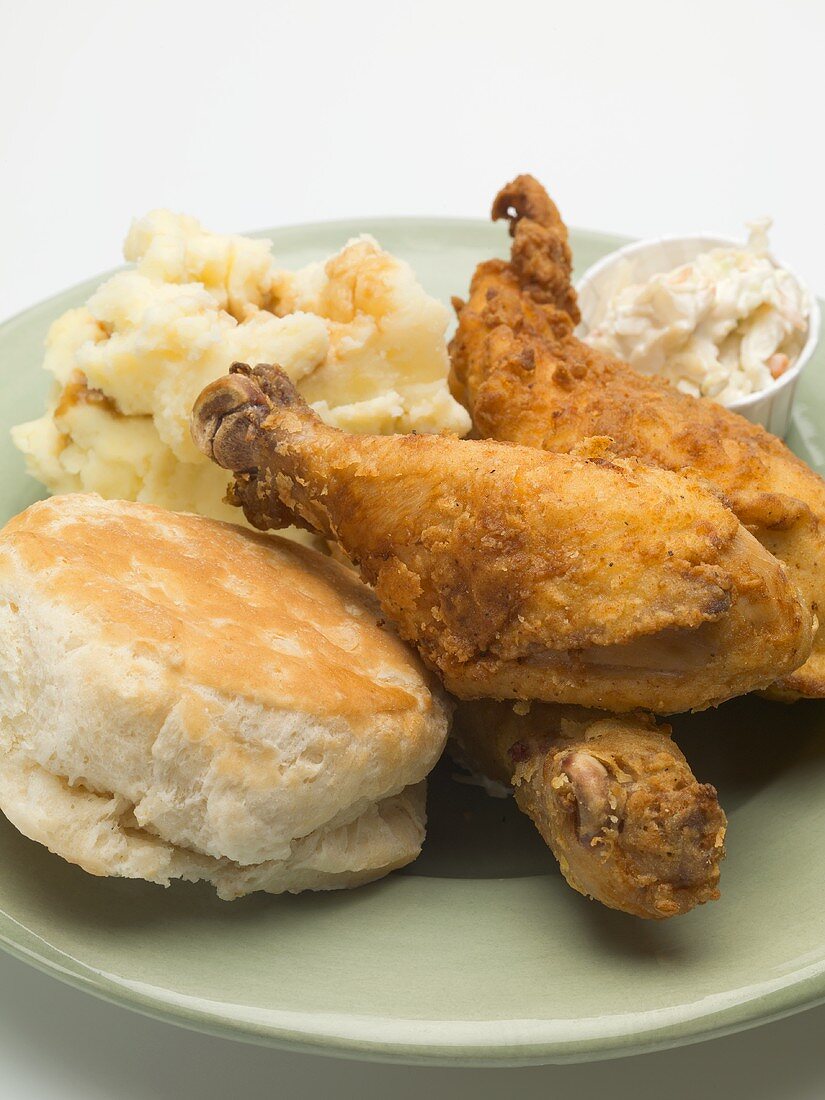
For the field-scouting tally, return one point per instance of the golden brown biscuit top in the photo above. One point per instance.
(231, 610)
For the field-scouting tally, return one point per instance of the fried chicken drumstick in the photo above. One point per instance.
(517, 573)
(612, 796)
(525, 377)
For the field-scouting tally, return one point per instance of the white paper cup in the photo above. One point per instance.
(770, 407)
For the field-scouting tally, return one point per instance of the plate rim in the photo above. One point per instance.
(353, 227)
(762, 1008)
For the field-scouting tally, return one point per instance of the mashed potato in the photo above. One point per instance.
(357, 333)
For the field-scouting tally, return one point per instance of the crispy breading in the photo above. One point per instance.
(525, 377)
(516, 573)
(613, 797)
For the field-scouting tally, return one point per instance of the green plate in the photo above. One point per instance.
(478, 953)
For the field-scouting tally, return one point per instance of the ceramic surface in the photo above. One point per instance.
(478, 953)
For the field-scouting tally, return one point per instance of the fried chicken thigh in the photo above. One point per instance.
(612, 796)
(518, 573)
(525, 377)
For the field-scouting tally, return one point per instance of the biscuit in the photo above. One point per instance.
(180, 697)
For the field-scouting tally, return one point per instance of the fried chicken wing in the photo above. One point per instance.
(613, 797)
(525, 377)
(516, 573)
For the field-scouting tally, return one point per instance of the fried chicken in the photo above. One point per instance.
(612, 796)
(517, 573)
(525, 377)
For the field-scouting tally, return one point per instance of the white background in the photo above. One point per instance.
(643, 117)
